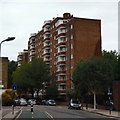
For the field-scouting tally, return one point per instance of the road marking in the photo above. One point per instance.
(19, 114)
(49, 115)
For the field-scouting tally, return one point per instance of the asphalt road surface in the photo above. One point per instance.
(58, 112)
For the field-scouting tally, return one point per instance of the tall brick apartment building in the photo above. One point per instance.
(62, 42)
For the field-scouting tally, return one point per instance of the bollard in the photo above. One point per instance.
(110, 110)
(31, 107)
(86, 106)
(13, 109)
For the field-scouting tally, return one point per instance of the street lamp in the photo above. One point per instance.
(8, 39)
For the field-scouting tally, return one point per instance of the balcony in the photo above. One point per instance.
(46, 44)
(61, 30)
(61, 59)
(32, 46)
(61, 68)
(61, 86)
(61, 78)
(19, 58)
(46, 59)
(47, 28)
(46, 35)
(61, 39)
(46, 51)
(32, 52)
(61, 49)
(47, 22)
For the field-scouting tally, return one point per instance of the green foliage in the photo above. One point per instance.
(71, 93)
(12, 65)
(118, 68)
(95, 74)
(31, 76)
(8, 96)
(52, 92)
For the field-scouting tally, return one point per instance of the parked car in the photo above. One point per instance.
(32, 101)
(51, 102)
(17, 101)
(74, 104)
(23, 101)
(43, 102)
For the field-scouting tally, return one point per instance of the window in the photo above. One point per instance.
(71, 66)
(71, 36)
(71, 26)
(71, 46)
(66, 48)
(66, 39)
(71, 56)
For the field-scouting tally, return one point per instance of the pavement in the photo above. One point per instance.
(112, 114)
(9, 114)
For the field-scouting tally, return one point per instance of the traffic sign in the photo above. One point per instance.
(108, 90)
(14, 87)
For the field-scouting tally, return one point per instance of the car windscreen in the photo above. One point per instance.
(52, 101)
(77, 102)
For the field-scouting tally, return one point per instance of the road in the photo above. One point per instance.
(58, 112)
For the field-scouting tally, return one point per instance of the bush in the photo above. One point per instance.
(8, 97)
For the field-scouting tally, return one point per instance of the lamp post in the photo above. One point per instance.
(8, 39)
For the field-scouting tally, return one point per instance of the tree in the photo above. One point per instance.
(30, 76)
(8, 96)
(12, 65)
(118, 68)
(93, 75)
(52, 92)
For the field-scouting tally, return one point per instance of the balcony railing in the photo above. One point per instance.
(47, 28)
(46, 44)
(61, 31)
(61, 50)
(32, 46)
(32, 52)
(47, 21)
(46, 36)
(61, 59)
(46, 59)
(61, 41)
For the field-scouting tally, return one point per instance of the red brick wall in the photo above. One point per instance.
(116, 94)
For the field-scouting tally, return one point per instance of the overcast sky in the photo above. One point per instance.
(20, 18)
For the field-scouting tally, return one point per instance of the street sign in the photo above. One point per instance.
(14, 87)
(109, 93)
(108, 90)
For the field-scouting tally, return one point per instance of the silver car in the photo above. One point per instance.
(22, 102)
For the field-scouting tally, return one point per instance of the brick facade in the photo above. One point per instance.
(116, 94)
(4, 71)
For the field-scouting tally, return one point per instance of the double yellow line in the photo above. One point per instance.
(50, 115)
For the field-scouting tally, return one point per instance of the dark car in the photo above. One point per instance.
(74, 104)
(51, 102)
(43, 102)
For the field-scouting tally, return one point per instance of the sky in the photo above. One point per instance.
(20, 18)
